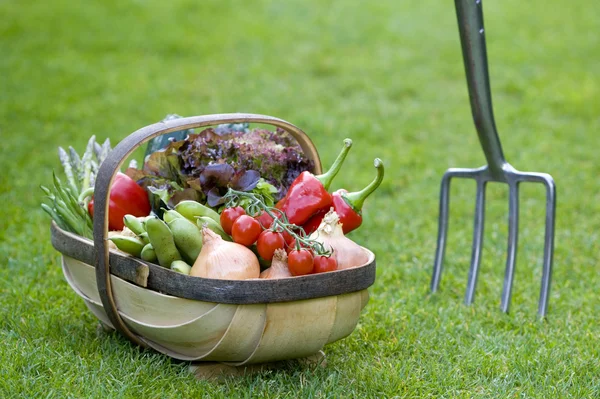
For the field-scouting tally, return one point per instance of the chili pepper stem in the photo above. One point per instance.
(327, 177)
(356, 199)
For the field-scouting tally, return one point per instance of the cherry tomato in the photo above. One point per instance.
(290, 243)
(245, 230)
(289, 240)
(268, 242)
(300, 262)
(265, 220)
(229, 215)
(324, 264)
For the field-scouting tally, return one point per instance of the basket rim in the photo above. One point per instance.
(251, 291)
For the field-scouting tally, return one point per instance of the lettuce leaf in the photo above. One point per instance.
(204, 165)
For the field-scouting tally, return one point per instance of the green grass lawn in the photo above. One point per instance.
(387, 74)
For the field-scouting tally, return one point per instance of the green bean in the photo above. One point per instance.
(192, 209)
(187, 237)
(181, 267)
(148, 253)
(131, 245)
(161, 238)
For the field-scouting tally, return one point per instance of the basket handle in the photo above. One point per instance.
(112, 164)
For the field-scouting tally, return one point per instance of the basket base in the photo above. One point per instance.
(212, 371)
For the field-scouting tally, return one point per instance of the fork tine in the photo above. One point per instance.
(548, 245)
(513, 236)
(548, 182)
(442, 231)
(477, 241)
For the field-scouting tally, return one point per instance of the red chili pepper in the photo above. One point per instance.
(126, 198)
(308, 193)
(347, 205)
(315, 221)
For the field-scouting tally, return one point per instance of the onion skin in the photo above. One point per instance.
(347, 253)
(220, 259)
(279, 267)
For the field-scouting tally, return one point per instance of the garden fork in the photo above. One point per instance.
(470, 24)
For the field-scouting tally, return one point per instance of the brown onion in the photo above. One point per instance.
(279, 267)
(224, 260)
(347, 253)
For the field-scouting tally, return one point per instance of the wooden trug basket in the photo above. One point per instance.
(197, 319)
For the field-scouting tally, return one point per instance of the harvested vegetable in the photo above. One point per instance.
(131, 245)
(181, 267)
(214, 226)
(264, 219)
(279, 267)
(66, 211)
(187, 237)
(203, 166)
(226, 260)
(245, 230)
(347, 253)
(162, 241)
(300, 261)
(135, 224)
(308, 193)
(293, 235)
(268, 242)
(193, 209)
(348, 205)
(324, 264)
(148, 253)
(67, 199)
(126, 198)
(228, 216)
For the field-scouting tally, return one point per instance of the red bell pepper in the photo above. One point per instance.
(347, 205)
(308, 193)
(126, 198)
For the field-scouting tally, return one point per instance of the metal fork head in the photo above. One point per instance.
(513, 178)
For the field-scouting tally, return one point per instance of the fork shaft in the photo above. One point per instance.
(477, 242)
(513, 236)
(472, 39)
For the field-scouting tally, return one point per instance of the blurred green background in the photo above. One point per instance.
(387, 74)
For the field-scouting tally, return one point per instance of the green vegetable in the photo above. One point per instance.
(148, 253)
(144, 237)
(193, 209)
(134, 224)
(187, 237)
(265, 190)
(131, 245)
(181, 267)
(214, 226)
(68, 199)
(203, 166)
(65, 210)
(162, 241)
